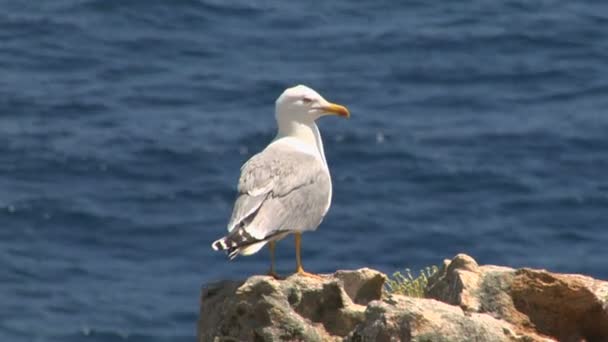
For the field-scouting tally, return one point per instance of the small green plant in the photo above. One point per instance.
(406, 284)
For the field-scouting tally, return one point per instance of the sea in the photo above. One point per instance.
(477, 127)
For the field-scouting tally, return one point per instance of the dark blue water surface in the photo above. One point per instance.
(477, 127)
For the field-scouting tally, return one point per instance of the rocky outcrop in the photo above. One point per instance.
(466, 302)
(295, 309)
(565, 307)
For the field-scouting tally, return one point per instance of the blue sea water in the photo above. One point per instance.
(477, 127)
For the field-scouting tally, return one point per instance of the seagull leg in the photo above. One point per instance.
(271, 272)
(299, 269)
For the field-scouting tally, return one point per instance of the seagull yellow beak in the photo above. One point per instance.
(336, 109)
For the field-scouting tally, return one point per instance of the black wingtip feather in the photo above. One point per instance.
(228, 245)
(219, 245)
(232, 253)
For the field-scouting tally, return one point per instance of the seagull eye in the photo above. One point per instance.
(306, 100)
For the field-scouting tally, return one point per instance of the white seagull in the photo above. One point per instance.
(286, 188)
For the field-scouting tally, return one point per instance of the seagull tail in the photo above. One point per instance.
(220, 244)
(228, 245)
(238, 242)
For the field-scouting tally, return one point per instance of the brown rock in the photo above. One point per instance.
(295, 309)
(569, 307)
(564, 307)
(404, 319)
(482, 289)
(363, 285)
(473, 303)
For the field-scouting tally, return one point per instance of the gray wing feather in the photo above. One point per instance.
(244, 206)
(281, 190)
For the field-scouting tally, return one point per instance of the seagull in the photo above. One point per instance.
(286, 188)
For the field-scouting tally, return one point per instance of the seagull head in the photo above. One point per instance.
(303, 104)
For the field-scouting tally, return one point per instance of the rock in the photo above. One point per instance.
(415, 319)
(482, 289)
(295, 309)
(569, 307)
(363, 285)
(468, 302)
(561, 306)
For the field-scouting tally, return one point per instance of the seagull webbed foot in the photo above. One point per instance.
(301, 272)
